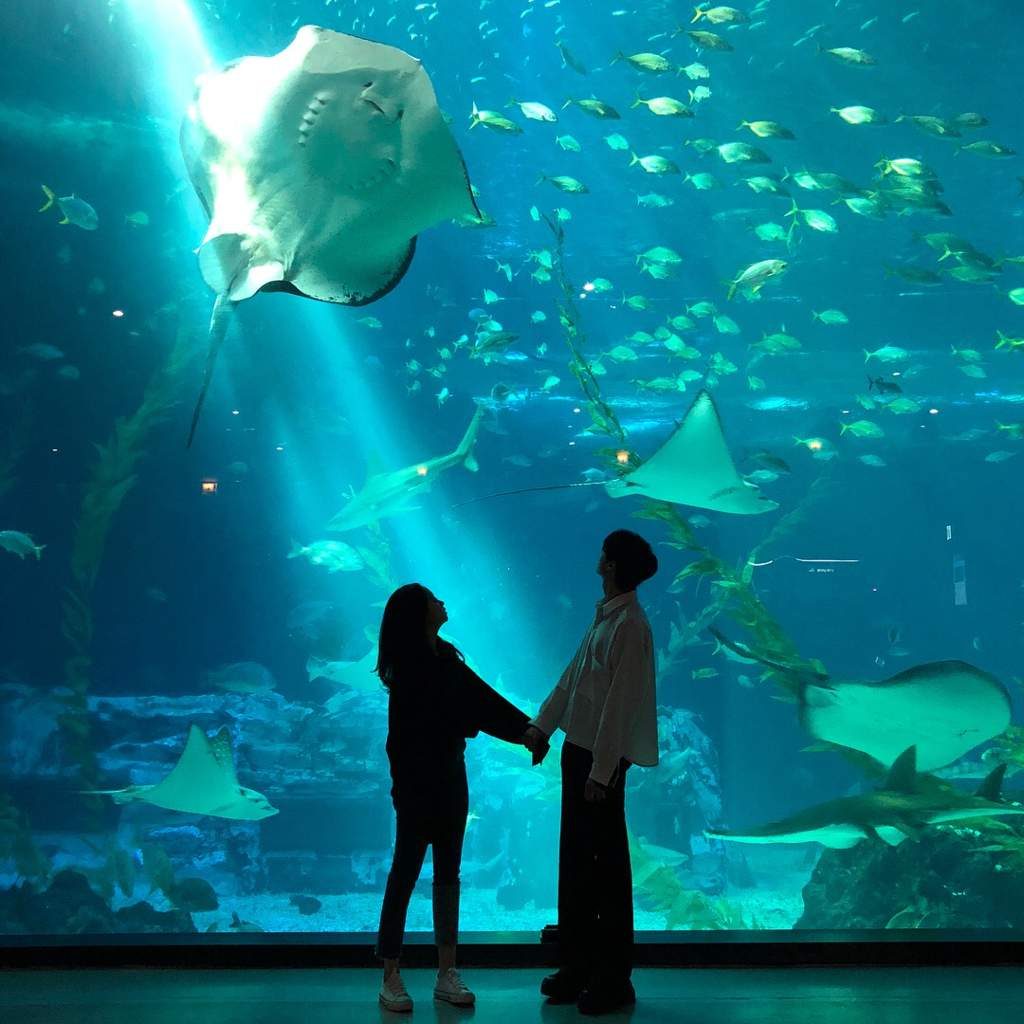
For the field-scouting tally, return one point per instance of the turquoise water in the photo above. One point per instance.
(847, 289)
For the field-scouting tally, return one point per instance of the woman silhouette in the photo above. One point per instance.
(435, 703)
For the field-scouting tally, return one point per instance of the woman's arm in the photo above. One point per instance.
(483, 709)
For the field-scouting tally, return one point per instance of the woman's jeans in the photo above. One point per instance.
(443, 827)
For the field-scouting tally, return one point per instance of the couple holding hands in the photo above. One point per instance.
(604, 702)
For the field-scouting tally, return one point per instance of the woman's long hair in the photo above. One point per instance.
(402, 645)
(403, 632)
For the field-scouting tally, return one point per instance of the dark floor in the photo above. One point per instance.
(916, 995)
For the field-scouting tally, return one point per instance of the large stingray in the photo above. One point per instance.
(317, 168)
(942, 708)
(202, 782)
(692, 467)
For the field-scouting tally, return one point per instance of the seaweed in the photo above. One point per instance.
(787, 523)
(18, 846)
(732, 590)
(660, 888)
(376, 555)
(111, 480)
(734, 594)
(116, 872)
(602, 415)
(1008, 746)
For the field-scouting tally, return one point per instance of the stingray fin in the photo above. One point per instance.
(222, 752)
(219, 322)
(227, 268)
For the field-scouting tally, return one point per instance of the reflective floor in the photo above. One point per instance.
(923, 995)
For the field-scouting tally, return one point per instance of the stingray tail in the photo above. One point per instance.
(118, 795)
(528, 490)
(219, 322)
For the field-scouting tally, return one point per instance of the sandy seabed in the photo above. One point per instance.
(774, 908)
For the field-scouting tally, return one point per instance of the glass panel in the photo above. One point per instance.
(744, 282)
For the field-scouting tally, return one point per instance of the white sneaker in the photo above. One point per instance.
(393, 995)
(451, 989)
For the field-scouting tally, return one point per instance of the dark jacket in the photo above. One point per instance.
(432, 711)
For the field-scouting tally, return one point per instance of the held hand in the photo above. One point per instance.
(540, 752)
(536, 742)
(594, 792)
(531, 738)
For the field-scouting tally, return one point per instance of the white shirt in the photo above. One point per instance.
(605, 700)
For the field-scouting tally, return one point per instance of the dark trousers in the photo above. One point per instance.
(595, 881)
(441, 825)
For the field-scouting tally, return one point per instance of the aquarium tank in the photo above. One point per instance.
(305, 300)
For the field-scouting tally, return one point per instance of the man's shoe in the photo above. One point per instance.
(562, 987)
(393, 995)
(605, 999)
(451, 989)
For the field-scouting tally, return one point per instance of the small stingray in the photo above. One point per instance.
(202, 782)
(352, 676)
(317, 167)
(692, 467)
(944, 708)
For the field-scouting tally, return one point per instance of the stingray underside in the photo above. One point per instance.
(944, 708)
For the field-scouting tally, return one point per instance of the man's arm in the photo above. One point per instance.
(550, 713)
(631, 662)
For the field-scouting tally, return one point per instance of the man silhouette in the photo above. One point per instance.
(605, 703)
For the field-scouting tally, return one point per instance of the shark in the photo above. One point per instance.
(105, 142)
(390, 493)
(202, 782)
(317, 167)
(904, 807)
